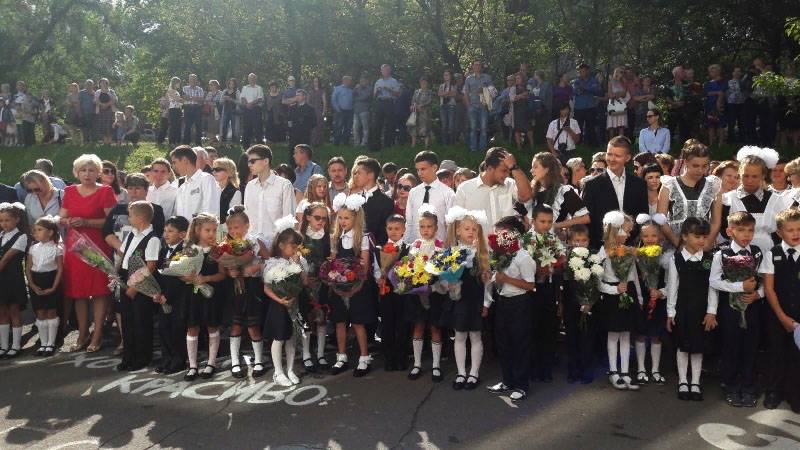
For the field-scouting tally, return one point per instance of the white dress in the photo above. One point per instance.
(682, 207)
(765, 220)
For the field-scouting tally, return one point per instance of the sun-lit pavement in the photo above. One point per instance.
(79, 400)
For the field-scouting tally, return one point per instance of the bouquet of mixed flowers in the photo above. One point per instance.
(584, 269)
(547, 250)
(143, 281)
(388, 256)
(504, 246)
(448, 265)
(409, 277)
(649, 263)
(188, 263)
(234, 254)
(285, 278)
(91, 254)
(738, 268)
(342, 275)
(622, 258)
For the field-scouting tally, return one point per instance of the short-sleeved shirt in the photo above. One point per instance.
(564, 137)
(385, 87)
(150, 252)
(43, 256)
(21, 243)
(473, 87)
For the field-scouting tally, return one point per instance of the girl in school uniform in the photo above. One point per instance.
(201, 312)
(465, 314)
(248, 307)
(426, 308)
(315, 230)
(14, 296)
(691, 305)
(653, 312)
(279, 325)
(43, 268)
(620, 320)
(351, 242)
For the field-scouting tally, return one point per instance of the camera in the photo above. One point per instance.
(562, 147)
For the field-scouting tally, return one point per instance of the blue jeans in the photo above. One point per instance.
(361, 128)
(342, 126)
(478, 117)
(447, 114)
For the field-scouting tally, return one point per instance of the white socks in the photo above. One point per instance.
(289, 347)
(613, 349)
(191, 351)
(277, 362)
(641, 354)
(460, 350)
(476, 352)
(416, 344)
(655, 356)
(624, 351)
(258, 351)
(213, 348)
(697, 366)
(363, 362)
(436, 349)
(44, 330)
(52, 331)
(683, 366)
(321, 329)
(235, 344)
(307, 346)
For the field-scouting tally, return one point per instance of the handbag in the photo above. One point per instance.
(412, 119)
(616, 107)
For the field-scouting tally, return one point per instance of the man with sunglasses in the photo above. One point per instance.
(267, 197)
(199, 191)
(430, 190)
(654, 138)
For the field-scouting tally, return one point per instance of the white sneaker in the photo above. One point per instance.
(292, 377)
(282, 380)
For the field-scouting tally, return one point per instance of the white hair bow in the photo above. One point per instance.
(457, 213)
(352, 202)
(657, 218)
(768, 155)
(614, 218)
(284, 223)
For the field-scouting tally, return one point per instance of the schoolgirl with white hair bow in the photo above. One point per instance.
(14, 231)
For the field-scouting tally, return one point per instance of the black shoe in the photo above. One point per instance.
(733, 398)
(684, 395)
(472, 383)
(358, 373)
(205, 373)
(436, 375)
(308, 366)
(336, 368)
(123, 367)
(258, 370)
(696, 395)
(12, 353)
(499, 388)
(749, 400)
(49, 351)
(41, 351)
(237, 373)
(160, 369)
(191, 374)
(415, 373)
(459, 382)
(772, 400)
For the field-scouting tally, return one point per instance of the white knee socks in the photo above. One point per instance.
(258, 351)
(476, 352)
(213, 348)
(52, 331)
(44, 330)
(697, 367)
(683, 366)
(321, 329)
(416, 344)
(460, 350)
(16, 338)
(277, 362)
(191, 351)
(307, 346)
(436, 349)
(289, 347)
(613, 349)
(235, 344)
(641, 354)
(655, 356)
(624, 351)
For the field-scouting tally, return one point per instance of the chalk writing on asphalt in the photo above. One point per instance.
(730, 437)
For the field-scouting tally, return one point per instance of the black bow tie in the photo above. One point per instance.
(744, 252)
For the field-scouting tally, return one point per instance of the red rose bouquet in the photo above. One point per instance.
(234, 254)
(504, 246)
(342, 275)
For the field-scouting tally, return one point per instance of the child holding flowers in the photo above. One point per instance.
(426, 308)
(619, 282)
(465, 314)
(315, 230)
(394, 328)
(361, 309)
(652, 263)
(691, 305)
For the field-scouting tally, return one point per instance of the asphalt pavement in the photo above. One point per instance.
(79, 400)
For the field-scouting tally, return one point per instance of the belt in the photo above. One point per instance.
(503, 297)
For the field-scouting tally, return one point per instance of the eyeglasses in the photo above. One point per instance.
(250, 162)
(33, 191)
(595, 170)
(320, 218)
(108, 171)
(404, 187)
(218, 169)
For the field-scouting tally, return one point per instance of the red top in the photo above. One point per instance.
(80, 280)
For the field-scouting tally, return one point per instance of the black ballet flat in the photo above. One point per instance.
(308, 366)
(258, 370)
(41, 351)
(336, 369)
(49, 351)
(472, 385)
(684, 395)
(12, 353)
(206, 375)
(358, 373)
(695, 396)
(415, 373)
(459, 382)
(237, 373)
(322, 363)
(436, 375)
(191, 374)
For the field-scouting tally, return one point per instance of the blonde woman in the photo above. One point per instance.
(616, 122)
(228, 180)
(316, 192)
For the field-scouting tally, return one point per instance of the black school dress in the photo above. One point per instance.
(319, 251)
(248, 307)
(363, 304)
(198, 310)
(12, 278)
(465, 314)
(278, 325)
(618, 319)
(689, 333)
(654, 325)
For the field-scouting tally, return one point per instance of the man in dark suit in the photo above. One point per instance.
(614, 189)
(379, 206)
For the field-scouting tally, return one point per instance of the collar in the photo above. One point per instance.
(196, 175)
(692, 256)
(786, 247)
(173, 247)
(315, 234)
(348, 234)
(434, 184)
(143, 233)
(741, 193)
(11, 233)
(736, 247)
(613, 176)
(270, 179)
(369, 193)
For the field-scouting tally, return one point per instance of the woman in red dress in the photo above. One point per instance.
(84, 209)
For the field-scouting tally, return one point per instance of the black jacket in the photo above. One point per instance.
(378, 208)
(599, 197)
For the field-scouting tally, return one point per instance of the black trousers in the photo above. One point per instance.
(394, 329)
(251, 129)
(28, 133)
(680, 124)
(739, 345)
(174, 126)
(783, 371)
(580, 339)
(163, 128)
(383, 123)
(137, 329)
(512, 327)
(544, 326)
(172, 336)
(192, 118)
(586, 122)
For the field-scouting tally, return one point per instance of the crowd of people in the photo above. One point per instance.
(703, 214)
(527, 109)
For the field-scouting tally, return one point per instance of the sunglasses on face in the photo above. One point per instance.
(252, 161)
(404, 187)
(320, 218)
(108, 171)
(34, 190)
(595, 170)
(217, 169)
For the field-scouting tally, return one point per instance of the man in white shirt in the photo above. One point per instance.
(267, 197)
(193, 97)
(431, 191)
(252, 97)
(563, 134)
(199, 192)
(162, 192)
(493, 190)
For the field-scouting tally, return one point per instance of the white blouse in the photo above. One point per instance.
(43, 256)
(21, 244)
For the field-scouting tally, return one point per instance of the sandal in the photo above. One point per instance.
(617, 381)
(436, 375)
(641, 377)
(191, 374)
(309, 366)
(658, 378)
(78, 346)
(236, 371)
(93, 348)
(258, 370)
(472, 384)
(415, 372)
(205, 373)
(629, 383)
(459, 382)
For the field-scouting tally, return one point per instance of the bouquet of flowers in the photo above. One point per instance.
(188, 263)
(143, 281)
(409, 277)
(284, 277)
(649, 263)
(448, 265)
(91, 254)
(622, 258)
(234, 254)
(548, 252)
(584, 269)
(504, 246)
(387, 258)
(314, 258)
(738, 268)
(342, 275)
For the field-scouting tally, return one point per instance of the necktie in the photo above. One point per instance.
(744, 252)
(427, 197)
(791, 253)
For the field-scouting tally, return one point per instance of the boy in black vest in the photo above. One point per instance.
(171, 329)
(394, 329)
(782, 286)
(135, 308)
(739, 330)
